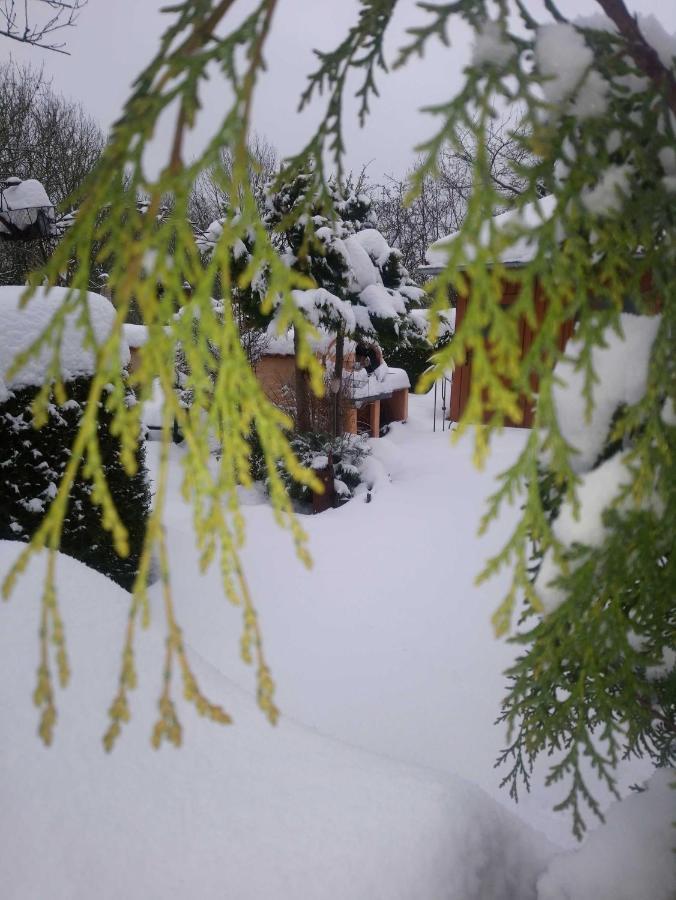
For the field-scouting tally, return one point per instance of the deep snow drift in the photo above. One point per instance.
(389, 681)
(247, 812)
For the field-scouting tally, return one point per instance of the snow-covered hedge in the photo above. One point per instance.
(32, 460)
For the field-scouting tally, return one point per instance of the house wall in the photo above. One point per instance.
(462, 375)
(276, 374)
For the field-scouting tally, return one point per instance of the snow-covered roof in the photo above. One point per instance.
(383, 380)
(19, 327)
(19, 203)
(520, 251)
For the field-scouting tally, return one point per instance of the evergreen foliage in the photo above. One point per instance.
(33, 462)
(598, 102)
(346, 453)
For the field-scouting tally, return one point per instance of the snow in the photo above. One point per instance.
(631, 857)
(383, 381)
(622, 371)
(282, 344)
(592, 98)
(22, 326)
(658, 38)
(382, 303)
(374, 244)
(246, 811)
(523, 246)
(490, 45)
(564, 58)
(595, 493)
(321, 307)
(151, 412)
(135, 335)
(19, 202)
(445, 321)
(607, 195)
(363, 273)
(386, 644)
(379, 780)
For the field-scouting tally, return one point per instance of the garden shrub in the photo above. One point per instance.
(32, 462)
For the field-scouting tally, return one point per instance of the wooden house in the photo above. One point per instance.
(515, 256)
(369, 401)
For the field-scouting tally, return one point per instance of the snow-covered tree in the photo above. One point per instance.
(362, 289)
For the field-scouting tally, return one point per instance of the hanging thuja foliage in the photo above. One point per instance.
(141, 249)
(602, 143)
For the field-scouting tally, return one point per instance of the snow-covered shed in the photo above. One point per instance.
(371, 400)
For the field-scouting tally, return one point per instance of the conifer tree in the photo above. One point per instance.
(365, 291)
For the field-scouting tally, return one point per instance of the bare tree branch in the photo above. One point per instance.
(35, 21)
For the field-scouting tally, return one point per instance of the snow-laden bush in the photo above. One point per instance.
(317, 451)
(606, 581)
(32, 462)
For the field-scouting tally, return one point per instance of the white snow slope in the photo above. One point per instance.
(241, 812)
(385, 646)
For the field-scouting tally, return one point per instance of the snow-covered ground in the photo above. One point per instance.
(379, 780)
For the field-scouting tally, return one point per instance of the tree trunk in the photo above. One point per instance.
(303, 408)
(337, 385)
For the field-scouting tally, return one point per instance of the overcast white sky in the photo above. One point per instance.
(114, 39)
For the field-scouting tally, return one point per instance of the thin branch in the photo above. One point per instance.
(644, 54)
(62, 15)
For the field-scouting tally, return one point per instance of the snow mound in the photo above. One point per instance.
(631, 857)
(621, 368)
(246, 811)
(19, 327)
(135, 335)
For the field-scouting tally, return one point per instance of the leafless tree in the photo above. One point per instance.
(44, 136)
(210, 199)
(441, 203)
(37, 21)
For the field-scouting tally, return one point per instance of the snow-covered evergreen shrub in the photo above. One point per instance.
(415, 355)
(32, 462)
(604, 582)
(313, 449)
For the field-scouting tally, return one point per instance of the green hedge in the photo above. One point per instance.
(32, 463)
